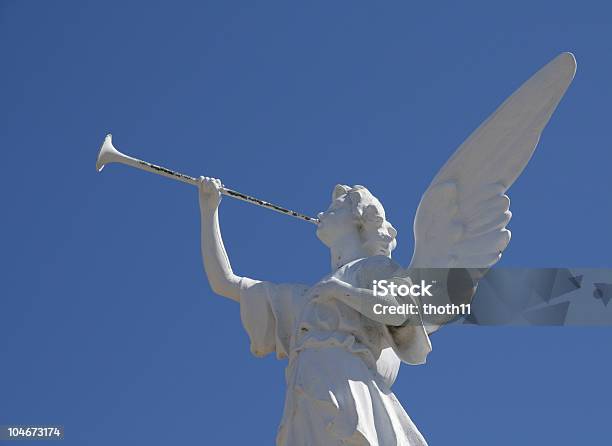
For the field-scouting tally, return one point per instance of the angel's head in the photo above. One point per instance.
(356, 216)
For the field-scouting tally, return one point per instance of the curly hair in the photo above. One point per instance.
(376, 232)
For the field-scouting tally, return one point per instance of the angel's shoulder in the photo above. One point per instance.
(376, 262)
(373, 268)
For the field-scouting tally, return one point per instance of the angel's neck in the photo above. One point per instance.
(347, 249)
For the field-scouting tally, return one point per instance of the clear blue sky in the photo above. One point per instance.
(107, 324)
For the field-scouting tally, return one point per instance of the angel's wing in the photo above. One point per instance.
(462, 217)
(460, 224)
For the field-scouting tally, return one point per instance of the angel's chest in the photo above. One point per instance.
(327, 315)
(333, 314)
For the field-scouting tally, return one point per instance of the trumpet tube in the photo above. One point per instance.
(109, 154)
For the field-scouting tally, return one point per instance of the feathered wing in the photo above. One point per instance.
(462, 217)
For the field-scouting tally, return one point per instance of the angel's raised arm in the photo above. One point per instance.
(218, 268)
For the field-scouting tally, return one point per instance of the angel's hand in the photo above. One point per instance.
(210, 192)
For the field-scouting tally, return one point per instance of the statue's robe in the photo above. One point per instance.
(341, 364)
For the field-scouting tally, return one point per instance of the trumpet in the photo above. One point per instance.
(109, 154)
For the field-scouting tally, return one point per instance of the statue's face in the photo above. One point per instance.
(336, 221)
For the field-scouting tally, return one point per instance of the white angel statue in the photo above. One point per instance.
(342, 356)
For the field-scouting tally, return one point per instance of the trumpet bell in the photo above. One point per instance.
(108, 153)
